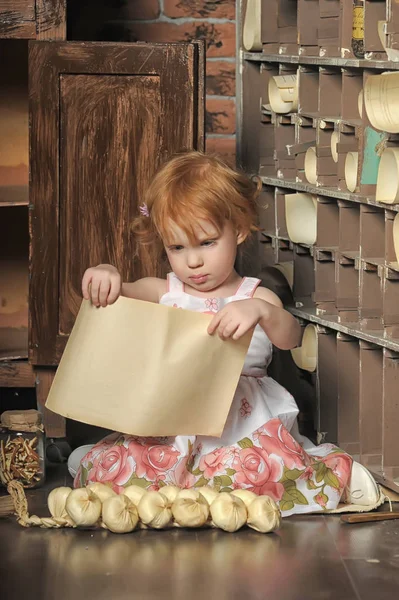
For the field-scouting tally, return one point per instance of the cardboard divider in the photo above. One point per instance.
(346, 26)
(392, 239)
(347, 274)
(372, 250)
(327, 169)
(305, 138)
(329, 28)
(269, 26)
(325, 255)
(390, 416)
(374, 11)
(348, 362)
(348, 155)
(281, 219)
(252, 92)
(288, 26)
(308, 24)
(352, 86)
(304, 282)
(327, 386)
(390, 305)
(266, 203)
(308, 91)
(370, 422)
(330, 92)
(284, 147)
(266, 130)
(327, 223)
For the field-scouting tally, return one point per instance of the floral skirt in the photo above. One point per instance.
(269, 461)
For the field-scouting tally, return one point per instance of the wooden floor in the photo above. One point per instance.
(312, 557)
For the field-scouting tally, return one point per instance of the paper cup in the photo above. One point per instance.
(251, 36)
(351, 165)
(388, 177)
(301, 218)
(311, 165)
(381, 99)
(334, 142)
(305, 357)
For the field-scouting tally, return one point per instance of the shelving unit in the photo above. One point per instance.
(325, 152)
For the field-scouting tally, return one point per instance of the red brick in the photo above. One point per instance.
(220, 38)
(140, 9)
(215, 9)
(220, 78)
(220, 116)
(225, 147)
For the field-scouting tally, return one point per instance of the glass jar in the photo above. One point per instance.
(22, 448)
(358, 28)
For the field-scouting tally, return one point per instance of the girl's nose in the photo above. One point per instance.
(194, 260)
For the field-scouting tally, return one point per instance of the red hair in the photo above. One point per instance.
(188, 188)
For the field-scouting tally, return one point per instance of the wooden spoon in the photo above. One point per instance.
(369, 517)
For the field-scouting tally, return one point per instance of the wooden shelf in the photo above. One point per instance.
(16, 374)
(325, 191)
(352, 329)
(320, 61)
(14, 195)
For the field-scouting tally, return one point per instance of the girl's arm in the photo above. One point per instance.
(150, 289)
(281, 327)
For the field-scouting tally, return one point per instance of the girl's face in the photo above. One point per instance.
(207, 263)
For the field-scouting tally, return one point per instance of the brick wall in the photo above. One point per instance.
(174, 21)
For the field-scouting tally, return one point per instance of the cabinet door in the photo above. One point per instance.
(103, 116)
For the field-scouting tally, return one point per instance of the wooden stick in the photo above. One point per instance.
(369, 517)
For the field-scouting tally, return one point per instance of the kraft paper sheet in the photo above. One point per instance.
(148, 370)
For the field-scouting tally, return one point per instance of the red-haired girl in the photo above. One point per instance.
(197, 212)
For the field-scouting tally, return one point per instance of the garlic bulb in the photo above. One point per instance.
(228, 512)
(245, 495)
(101, 490)
(264, 514)
(190, 509)
(134, 493)
(154, 510)
(170, 491)
(56, 502)
(208, 492)
(119, 514)
(84, 507)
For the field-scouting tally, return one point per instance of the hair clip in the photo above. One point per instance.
(144, 210)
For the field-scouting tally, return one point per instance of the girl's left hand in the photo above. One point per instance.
(238, 317)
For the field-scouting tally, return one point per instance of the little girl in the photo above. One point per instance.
(197, 212)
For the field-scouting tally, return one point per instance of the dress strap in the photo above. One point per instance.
(247, 287)
(174, 284)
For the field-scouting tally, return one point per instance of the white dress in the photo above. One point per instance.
(260, 448)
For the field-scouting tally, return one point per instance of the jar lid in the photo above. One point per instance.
(22, 420)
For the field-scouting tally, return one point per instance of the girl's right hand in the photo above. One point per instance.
(102, 285)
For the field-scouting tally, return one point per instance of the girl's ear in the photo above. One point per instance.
(241, 237)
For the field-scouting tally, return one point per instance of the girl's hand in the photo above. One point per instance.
(235, 319)
(102, 285)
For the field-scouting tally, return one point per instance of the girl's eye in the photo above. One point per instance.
(176, 248)
(208, 243)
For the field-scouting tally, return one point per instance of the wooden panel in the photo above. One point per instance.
(108, 121)
(51, 19)
(168, 78)
(17, 19)
(14, 125)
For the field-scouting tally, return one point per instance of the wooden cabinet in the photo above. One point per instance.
(102, 117)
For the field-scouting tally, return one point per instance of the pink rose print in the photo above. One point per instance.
(277, 440)
(212, 304)
(256, 468)
(153, 461)
(307, 474)
(175, 306)
(114, 465)
(321, 499)
(181, 476)
(341, 466)
(214, 462)
(245, 409)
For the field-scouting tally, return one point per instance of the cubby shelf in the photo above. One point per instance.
(324, 191)
(321, 61)
(352, 329)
